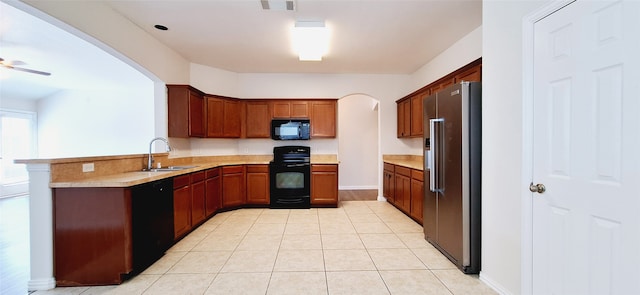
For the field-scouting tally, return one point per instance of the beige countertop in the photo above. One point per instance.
(409, 161)
(126, 171)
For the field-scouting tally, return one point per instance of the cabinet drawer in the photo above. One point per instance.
(417, 175)
(403, 171)
(211, 173)
(197, 176)
(232, 169)
(257, 168)
(324, 168)
(389, 167)
(181, 181)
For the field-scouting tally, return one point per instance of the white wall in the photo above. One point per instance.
(502, 142)
(79, 123)
(358, 142)
(9, 103)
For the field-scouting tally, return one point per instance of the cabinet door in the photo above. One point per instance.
(299, 109)
(258, 122)
(429, 210)
(416, 115)
(388, 187)
(185, 108)
(324, 185)
(323, 118)
(215, 116)
(473, 74)
(404, 118)
(213, 191)
(232, 119)
(258, 185)
(198, 193)
(417, 195)
(403, 188)
(233, 186)
(181, 205)
(280, 109)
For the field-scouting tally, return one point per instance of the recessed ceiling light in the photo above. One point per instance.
(161, 27)
(310, 40)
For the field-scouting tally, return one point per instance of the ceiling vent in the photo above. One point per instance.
(278, 5)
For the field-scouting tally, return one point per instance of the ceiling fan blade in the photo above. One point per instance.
(30, 71)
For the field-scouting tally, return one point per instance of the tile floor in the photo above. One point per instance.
(362, 247)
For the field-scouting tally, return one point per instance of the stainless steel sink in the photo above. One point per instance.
(170, 168)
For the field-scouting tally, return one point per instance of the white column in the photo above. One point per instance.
(40, 227)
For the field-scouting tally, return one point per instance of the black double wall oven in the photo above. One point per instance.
(290, 177)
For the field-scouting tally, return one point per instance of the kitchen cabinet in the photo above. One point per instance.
(324, 185)
(417, 195)
(181, 205)
(404, 118)
(223, 117)
(233, 186)
(403, 188)
(185, 106)
(258, 119)
(388, 181)
(258, 185)
(323, 118)
(213, 191)
(409, 108)
(92, 235)
(290, 109)
(198, 193)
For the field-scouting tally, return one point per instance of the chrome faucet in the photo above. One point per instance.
(151, 145)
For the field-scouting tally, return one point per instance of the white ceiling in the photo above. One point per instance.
(367, 36)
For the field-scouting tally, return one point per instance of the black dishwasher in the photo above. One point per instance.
(152, 221)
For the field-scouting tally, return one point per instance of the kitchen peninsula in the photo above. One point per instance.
(88, 221)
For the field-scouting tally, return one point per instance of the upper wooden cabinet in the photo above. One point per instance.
(323, 118)
(258, 119)
(409, 108)
(186, 111)
(224, 117)
(293, 108)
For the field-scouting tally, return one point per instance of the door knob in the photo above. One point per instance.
(537, 188)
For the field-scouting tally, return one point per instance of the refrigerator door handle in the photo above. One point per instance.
(435, 154)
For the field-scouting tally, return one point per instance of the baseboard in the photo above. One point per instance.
(358, 187)
(41, 284)
(492, 284)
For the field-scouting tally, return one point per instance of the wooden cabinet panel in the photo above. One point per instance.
(233, 186)
(258, 120)
(258, 185)
(92, 235)
(323, 118)
(324, 185)
(224, 117)
(181, 205)
(213, 191)
(185, 107)
(388, 182)
(416, 115)
(198, 193)
(403, 188)
(473, 74)
(417, 195)
(286, 109)
(404, 118)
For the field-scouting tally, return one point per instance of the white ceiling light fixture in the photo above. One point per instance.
(310, 40)
(288, 5)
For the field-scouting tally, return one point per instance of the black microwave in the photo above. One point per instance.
(290, 129)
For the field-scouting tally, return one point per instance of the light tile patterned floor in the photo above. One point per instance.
(362, 247)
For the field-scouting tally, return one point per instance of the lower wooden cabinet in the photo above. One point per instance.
(404, 188)
(324, 185)
(181, 205)
(233, 186)
(213, 191)
(198, 194)
(258, 185)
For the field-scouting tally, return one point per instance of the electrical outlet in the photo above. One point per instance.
(87, 167)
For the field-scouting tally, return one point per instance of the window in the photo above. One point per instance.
(17, 141)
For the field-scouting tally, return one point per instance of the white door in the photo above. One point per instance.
(586, 149)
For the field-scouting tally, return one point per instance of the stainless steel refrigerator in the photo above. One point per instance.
(452, 153)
